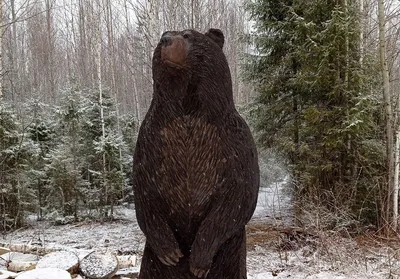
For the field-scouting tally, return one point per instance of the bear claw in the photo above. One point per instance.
(199, 273)
(171, 259)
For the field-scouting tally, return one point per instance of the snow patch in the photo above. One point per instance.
(45, 273)
(64, 260)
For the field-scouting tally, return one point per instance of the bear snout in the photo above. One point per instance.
(174, 50)
(166, 40)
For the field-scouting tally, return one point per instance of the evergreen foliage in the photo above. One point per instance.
(16, 153)
(52, 158)
(317, 101)
(41, 131)
(110, 179)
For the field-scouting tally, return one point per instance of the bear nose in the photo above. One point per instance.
(166, 40)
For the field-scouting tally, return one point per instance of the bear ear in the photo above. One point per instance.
(217, 36)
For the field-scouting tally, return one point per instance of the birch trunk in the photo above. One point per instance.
(100, 87)
(135, 91)
(50, 50)
(111, 46)
(137, 104)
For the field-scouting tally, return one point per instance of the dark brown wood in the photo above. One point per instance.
(195, 173)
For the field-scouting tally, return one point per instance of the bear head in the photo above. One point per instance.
(189, 62)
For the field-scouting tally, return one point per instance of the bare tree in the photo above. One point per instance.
(49, 43)
(200, 15)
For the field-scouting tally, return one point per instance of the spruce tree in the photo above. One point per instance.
(16, 151)
(313, 105)
(41, 131)
(65, 162)
(110, 181)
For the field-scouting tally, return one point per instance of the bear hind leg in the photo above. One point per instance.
(230, 261)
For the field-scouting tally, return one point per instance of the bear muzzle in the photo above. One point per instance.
(174, 50)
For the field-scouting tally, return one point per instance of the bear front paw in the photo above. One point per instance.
(171, 258)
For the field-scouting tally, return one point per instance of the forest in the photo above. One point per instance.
(317, 80)
(75, 84)
(327, 80)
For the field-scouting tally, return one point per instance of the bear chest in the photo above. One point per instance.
(191, 160)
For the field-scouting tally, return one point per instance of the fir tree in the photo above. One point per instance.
(312, 102)
(41, 132)
(109, 180)
(16, 151)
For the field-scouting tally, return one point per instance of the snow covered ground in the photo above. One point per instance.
(271, 254)
(274, 203)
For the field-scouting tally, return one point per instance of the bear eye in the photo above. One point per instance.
(186, 35)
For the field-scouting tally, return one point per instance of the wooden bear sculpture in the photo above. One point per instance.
(195, 173)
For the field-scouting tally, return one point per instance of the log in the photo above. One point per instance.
(127, 273)
(17, 262)
(4, 274)
(27, 248)
(45, 273)
(98, 266)
(4, 250)
(126, 261)
(64, 260)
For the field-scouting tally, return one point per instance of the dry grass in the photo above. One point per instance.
(261, 234)
(330, 249)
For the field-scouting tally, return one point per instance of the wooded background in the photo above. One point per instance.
(49, 45)
(317, 80)
(75, 84)
(327, 78)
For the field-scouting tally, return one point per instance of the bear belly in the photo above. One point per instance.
(189, 169)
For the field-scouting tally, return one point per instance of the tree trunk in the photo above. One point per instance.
(362, 32)
(1, 51)
(396, 180)
(50, 51)
(388, 114)
(13, 56)
(111, 46)
(100, 88)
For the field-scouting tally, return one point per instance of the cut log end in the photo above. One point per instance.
(98, 266)
(64, 260)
